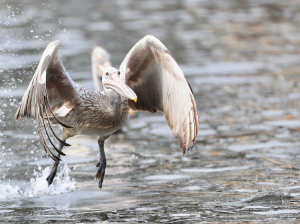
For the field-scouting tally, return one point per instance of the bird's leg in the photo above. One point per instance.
(101, 164)
(54, 167)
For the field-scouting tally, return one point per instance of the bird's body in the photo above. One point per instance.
(96, 114)
(149, 79)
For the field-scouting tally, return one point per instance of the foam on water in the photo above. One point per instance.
(8, 191)
(38, 185)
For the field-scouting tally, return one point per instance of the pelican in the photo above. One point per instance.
(100, 60)
(149, 79)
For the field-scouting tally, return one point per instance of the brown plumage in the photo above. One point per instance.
(149, 79)
(153, 74)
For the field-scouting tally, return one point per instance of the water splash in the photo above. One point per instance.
(61, 184)
(38, 185)
(9, 191)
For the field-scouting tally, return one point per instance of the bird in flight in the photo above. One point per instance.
(100, 60)
(149, 79)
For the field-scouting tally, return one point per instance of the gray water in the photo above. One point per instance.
(242, 60)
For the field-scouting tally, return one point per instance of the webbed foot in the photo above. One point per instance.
(53, 173)
(101, 172)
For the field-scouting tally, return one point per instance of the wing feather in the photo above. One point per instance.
(50, 89)
(156, 78)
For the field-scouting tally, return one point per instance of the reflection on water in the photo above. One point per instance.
(242, 60)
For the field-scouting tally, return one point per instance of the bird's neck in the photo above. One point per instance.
(113, 97)
(116, 100)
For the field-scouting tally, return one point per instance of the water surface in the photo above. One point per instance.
(242, 60)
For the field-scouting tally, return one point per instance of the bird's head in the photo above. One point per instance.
(111, 80)
(100, 60)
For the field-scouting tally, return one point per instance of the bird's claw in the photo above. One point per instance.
(100, 173)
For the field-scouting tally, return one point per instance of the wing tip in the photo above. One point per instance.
(17, 115)
(54, 43)
(20, 114)
(154, 40)
(50, 49)
(149, 36)
(184, 150)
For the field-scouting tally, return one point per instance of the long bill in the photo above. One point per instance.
(119, 86)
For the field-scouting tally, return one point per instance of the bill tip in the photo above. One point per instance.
(131, 112)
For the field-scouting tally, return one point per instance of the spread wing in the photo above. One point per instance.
(100, 60)
(156, 78)
(50, 89)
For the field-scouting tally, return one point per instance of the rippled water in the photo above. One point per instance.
(242, 60)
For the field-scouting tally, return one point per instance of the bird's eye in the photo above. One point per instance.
(107, 74)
